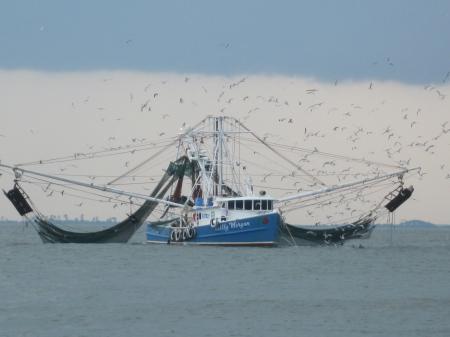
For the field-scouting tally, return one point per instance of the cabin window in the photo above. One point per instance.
(231, 204)
(256, 205)
(269, 204)
(248, 205)
(264, 205)
(239, 204)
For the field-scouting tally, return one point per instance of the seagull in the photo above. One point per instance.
(421, 174)
(331, 162)
(441, 95)
(388, 130)
(265, 177)
(388, 61)
(311, 107)
(143, 106)
(311, 91)
(429, 147)
(446, 77)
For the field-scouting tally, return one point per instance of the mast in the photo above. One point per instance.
(219, 144)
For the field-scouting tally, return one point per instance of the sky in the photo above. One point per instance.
(75, 74)
(406, 41)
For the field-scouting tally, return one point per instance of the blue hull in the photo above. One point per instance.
(260, 230)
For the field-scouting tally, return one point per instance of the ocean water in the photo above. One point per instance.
(397, 285)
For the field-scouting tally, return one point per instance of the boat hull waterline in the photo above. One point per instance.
(260, 230)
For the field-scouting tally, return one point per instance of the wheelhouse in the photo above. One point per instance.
(247, 204)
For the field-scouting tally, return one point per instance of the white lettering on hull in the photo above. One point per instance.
(232, 225)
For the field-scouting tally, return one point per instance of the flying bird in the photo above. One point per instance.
(311, 91)
(446, 77)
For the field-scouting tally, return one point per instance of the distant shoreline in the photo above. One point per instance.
(113, 221)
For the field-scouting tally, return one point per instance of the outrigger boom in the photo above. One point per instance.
(20, 171)
(173, 204)
(340, 187)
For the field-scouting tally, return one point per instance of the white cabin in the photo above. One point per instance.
(229, 209)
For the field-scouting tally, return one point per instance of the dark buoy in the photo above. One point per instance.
(401, 197)
(18, 200)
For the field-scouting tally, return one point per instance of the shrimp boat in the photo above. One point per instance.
(207, 195)
(225, 212)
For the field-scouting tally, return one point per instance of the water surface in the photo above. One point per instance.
(397, 287)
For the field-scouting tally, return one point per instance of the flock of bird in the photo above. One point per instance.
(292, 112)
